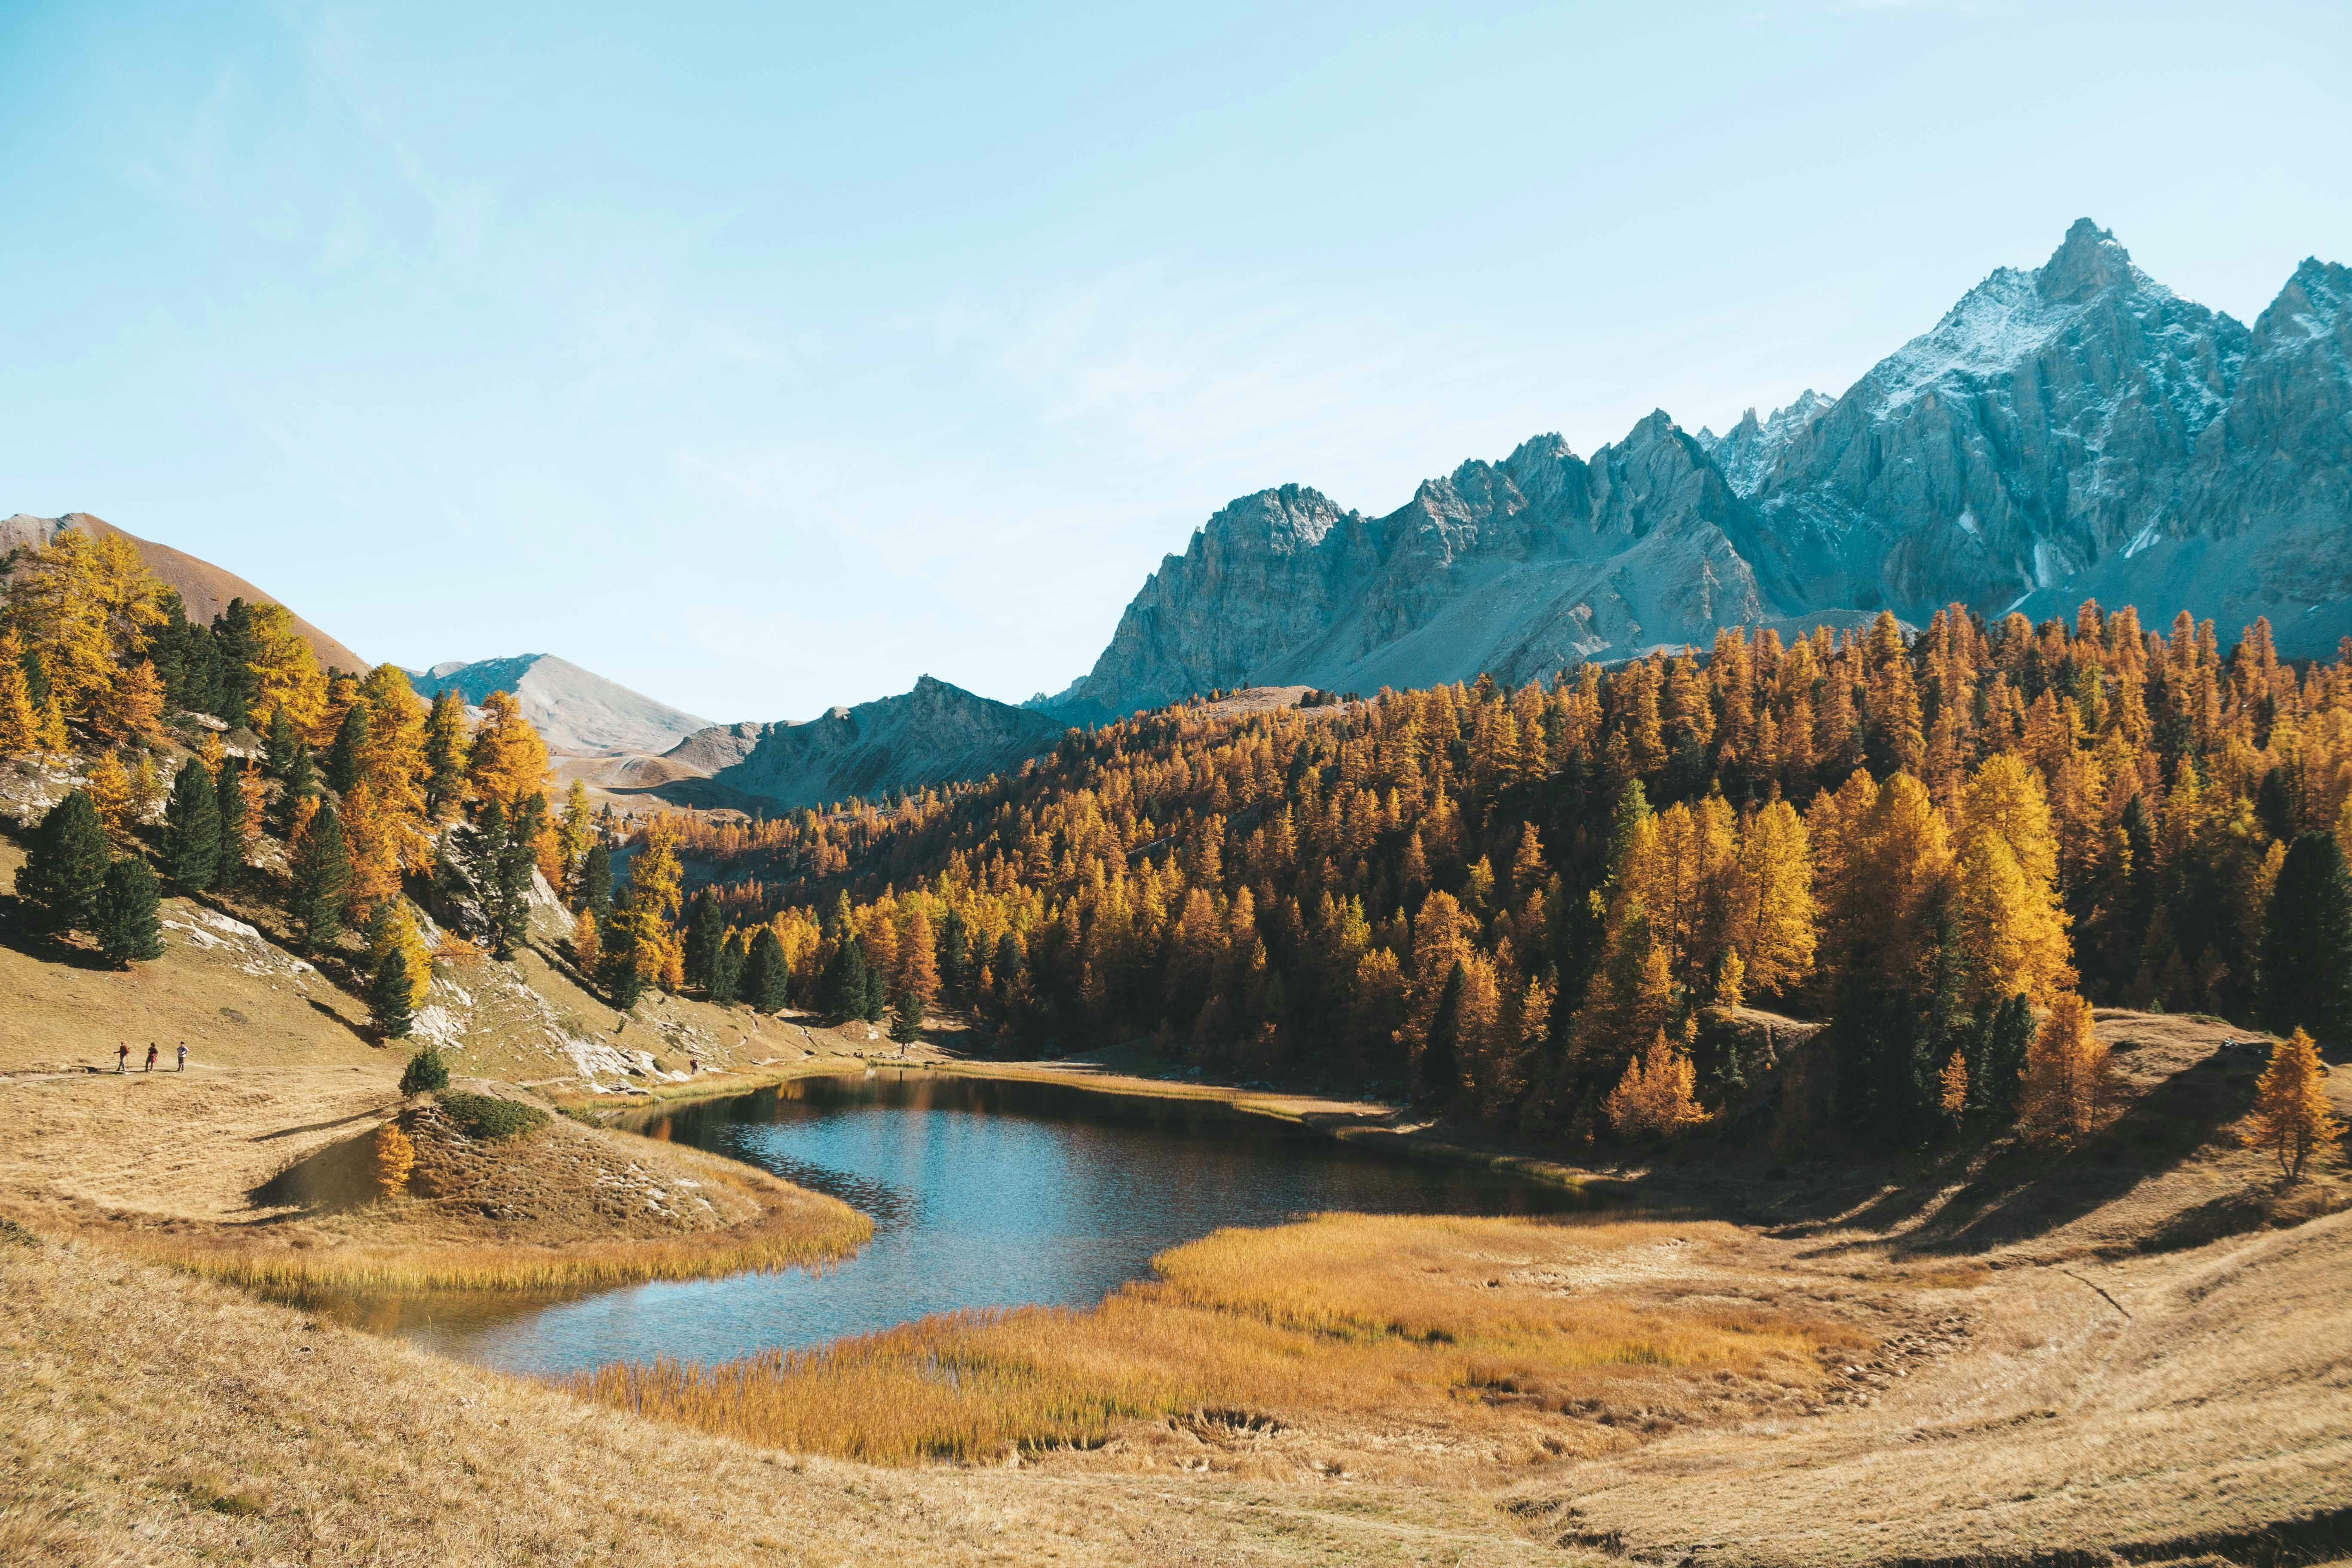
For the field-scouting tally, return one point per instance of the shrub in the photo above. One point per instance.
(426, 1073)
(487, 1118)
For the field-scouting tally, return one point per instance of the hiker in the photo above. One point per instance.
(122, 1058)
(150, 1056)
(693, 1066)
(184, 1056)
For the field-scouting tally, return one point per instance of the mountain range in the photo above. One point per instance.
(2070, 432)
(2073, 431)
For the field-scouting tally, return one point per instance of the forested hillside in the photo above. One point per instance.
(1525, 903)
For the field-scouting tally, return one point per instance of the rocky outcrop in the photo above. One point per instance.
(931, 734)
(2077, 430)
(578, 713)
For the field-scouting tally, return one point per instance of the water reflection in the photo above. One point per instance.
(985, 1192)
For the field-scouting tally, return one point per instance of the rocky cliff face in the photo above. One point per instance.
(931, 734)
(2073, 431)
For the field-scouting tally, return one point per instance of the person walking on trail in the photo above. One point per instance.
(123, 1057)
(150, 1056)
(184, 1056)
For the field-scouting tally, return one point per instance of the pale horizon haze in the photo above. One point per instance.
(762, 358)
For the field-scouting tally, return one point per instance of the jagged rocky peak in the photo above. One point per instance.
(1746, 454)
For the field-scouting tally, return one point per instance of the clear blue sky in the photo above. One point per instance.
(763, 357)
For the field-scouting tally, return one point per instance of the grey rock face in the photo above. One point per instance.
(2073, 431)
(931, 734)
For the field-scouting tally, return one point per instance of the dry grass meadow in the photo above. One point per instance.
(1400, 1349)
(2138, 1350)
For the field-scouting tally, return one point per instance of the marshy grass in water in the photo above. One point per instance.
(1345, 1321)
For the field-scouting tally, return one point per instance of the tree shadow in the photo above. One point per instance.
(338, 1177)
(18, 932)
(2023, 1192)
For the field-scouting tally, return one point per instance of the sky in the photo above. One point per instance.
(764, 357)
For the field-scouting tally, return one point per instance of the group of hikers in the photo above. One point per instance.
(123, 1057)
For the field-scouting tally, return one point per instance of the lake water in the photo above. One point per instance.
(985, 1192)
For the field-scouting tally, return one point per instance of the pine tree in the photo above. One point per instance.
(321, 867)
(595, 894)
(346, 757)
(279, 744)
(444, 753)
(706, 934)
(129, 925)
(388, 995)
(2306, 952)
(2292, 1118)
(192, 829)
(427, 1072)
(237, 822)
(298, 783)
(906, 1019)
(65, 866)
(727, 970)
(233, 641)
(876, 999)
(842, 991)
(511, 874)
(766, 976)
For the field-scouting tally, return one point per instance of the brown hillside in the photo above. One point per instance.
(205, 588)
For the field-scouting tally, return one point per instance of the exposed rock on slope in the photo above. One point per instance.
(2073, 431)
(203, 588)
(578, 712)
(930, 734)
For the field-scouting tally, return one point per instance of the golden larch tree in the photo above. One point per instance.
(2292, 1118)
(2069, 1086)
(1657, 1094)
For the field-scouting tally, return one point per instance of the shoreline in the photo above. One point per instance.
(1366, 1124)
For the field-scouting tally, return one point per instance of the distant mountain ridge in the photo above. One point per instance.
(577, 712)
(2073, 431)
(932, 734)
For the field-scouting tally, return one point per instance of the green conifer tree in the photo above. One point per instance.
(388, 994)
(877, 997)
(906, 1019)
(444, 753)
(228, 807)
(2305, 966)
(192, 829)
(233, 642)
(65, 866)
(595, 894)
(706, 934)
(727, 970)
(321, 874)
(130, 928)
(343, 757)
(767, 978)
(279, 744)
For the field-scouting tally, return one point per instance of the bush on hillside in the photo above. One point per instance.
(488, 1118)
(426, 1073)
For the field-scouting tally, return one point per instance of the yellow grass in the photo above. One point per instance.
(1350, 1322)
(779, 1242)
